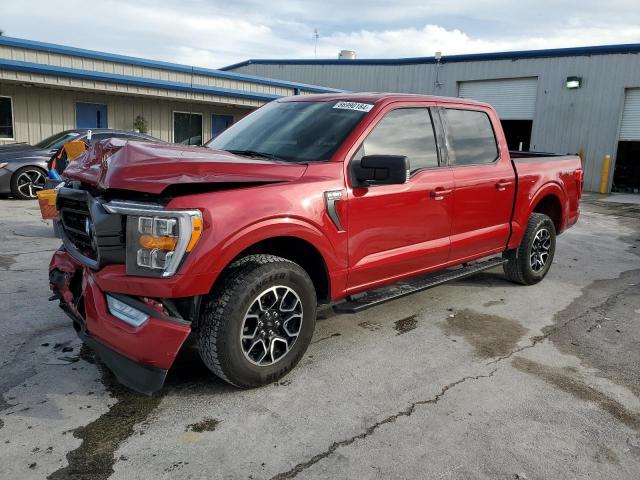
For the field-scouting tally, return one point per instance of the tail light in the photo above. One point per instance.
(579, 174)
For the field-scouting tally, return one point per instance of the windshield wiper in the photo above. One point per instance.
(254, 153)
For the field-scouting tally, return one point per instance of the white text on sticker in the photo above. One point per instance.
(360, 107)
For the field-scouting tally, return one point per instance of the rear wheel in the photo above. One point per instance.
(258, 321)
(530, 262)
(26, 181)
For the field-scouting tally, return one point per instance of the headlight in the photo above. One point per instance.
(3, 164)
(157, 239)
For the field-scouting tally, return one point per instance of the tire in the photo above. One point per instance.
(26, 181)
(531, 261)
(227, 341)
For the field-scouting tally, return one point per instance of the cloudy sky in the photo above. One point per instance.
(214, 33)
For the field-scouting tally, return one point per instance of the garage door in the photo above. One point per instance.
(630, 129)
(513, 98)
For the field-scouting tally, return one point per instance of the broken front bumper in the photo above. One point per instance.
(139, 357)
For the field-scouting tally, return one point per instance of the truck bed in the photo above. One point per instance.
(561, 175)
(517, 155)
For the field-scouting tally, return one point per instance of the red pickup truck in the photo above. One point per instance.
(353, 199)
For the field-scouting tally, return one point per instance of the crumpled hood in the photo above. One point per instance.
(151, 168)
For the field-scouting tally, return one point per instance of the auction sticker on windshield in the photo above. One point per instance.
(361, 107)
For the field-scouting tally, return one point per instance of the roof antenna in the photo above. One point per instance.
(316, 37)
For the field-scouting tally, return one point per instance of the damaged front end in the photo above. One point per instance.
(136, 337)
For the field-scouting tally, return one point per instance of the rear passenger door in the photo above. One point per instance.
(397, 230)
(484, 184)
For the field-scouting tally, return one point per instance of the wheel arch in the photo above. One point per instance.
(548, 201)
(295, 241)
(299, 251)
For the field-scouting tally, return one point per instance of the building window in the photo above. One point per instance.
(6, 118)
(187, 128)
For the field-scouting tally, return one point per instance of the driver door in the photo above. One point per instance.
(399, 230)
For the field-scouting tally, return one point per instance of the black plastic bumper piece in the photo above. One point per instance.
(138, 377)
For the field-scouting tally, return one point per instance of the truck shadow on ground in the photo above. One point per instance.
(494, 278)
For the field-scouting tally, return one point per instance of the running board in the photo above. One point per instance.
(360, 302)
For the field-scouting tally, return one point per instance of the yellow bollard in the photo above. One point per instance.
(604, 177)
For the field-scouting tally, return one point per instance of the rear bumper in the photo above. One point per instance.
(139, 357)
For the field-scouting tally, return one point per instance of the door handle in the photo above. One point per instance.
(503, 184)
(439, 193)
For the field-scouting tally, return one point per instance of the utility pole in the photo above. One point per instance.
(316, 37)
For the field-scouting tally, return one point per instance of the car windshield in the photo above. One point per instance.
(292, 131)
(54, 142)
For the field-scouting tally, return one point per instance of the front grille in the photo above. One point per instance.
(90, 234)
(76, 221)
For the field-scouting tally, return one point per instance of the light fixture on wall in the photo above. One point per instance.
(573, 82)
(438, 57)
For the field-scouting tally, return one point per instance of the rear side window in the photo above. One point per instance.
(471, 137)
(405, 131)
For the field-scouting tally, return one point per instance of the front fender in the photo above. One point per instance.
(18, 163)
(239, 241)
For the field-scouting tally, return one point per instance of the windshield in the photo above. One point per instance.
(292, 131)
(54, 142)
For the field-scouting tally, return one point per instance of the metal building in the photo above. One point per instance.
(570, 100)
(46, 88)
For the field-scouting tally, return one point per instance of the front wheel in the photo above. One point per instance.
(530, 262)
(258, 321)
(26, 181)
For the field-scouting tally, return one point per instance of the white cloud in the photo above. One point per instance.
(426, 41)
(213, 34)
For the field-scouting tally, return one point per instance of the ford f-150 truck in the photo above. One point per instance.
(350, 199)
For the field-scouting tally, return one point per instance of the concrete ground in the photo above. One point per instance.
(478, 379)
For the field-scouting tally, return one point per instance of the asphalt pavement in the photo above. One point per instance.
(477, 379)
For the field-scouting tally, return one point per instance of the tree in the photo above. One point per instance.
(140, 124)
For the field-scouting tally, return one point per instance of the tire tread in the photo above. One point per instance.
(212, 334)
(514, 269)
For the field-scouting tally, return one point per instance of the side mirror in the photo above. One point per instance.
(380, 170)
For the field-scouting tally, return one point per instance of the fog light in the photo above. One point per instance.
(126, 313)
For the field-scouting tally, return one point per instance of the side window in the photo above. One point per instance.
(471, 137)
(405, 131)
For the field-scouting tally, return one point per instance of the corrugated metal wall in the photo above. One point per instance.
(40, 112)
(586, 119)
(89, 64)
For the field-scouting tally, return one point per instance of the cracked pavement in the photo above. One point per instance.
(478, 379)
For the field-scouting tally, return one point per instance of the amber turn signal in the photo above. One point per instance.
(162, 243)
(196, 231)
